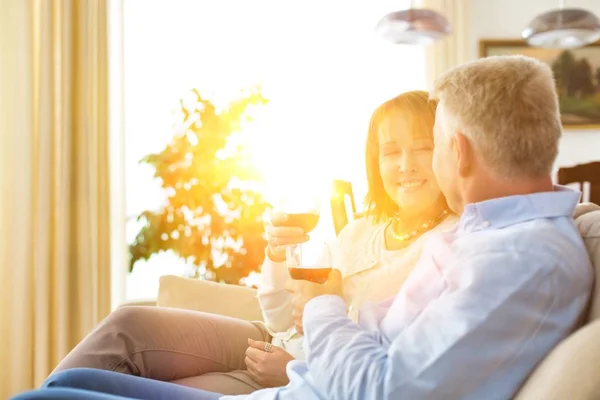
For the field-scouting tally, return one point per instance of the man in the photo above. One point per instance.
(488, 300)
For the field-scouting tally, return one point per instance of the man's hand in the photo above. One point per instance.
(267, 368)
(304, 291)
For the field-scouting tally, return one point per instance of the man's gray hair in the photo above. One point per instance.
(508, 108)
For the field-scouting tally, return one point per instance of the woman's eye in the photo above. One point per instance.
(387, 153)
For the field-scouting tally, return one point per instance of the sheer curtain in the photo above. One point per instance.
(54, 208)
(452, 50)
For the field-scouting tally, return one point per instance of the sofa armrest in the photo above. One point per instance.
(139, 302)
(215, 298)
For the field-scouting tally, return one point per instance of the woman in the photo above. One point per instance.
(375, 255)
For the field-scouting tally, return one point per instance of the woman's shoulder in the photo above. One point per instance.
(358, 230)
(354, 245)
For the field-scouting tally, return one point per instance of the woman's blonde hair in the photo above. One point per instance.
(419, 111)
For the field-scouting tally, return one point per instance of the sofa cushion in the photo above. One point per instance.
(570, 371)
(589, 226)
(215, 298)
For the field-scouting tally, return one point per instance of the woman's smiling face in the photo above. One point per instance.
(405, 164)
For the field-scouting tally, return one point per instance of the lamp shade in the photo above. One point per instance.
(564, 28)
(413, 26)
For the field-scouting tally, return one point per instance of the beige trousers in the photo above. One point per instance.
(195, 349)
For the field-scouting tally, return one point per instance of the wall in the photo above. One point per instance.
(505, 19)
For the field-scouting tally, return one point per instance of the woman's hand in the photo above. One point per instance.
(279, 235)
(267, 368)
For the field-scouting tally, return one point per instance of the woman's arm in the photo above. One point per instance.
(274, 301)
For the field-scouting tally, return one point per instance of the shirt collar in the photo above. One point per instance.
(505, 211)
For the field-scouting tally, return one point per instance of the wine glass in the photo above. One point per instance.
(303, 212)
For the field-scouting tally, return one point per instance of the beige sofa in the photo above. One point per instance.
(571, 370)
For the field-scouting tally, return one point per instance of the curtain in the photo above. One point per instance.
(54, 164)
(452, 50)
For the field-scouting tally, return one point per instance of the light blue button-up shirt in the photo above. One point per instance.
(486, 302)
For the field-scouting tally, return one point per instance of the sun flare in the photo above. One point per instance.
(291, 163)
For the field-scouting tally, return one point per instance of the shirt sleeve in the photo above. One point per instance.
(475, 328)
(275, 301)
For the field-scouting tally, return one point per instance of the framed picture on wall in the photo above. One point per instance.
(577, 74)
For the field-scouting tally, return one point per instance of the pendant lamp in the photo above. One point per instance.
(413, 26)
(564, 28)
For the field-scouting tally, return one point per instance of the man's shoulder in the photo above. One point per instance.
(358, 230)
(544, 243)
(529, 236)
(535, 253)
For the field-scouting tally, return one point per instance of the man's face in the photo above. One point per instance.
(445, 160)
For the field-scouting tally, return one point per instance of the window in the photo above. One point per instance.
(319, 62)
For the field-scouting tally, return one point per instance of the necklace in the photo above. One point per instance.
(424, 227)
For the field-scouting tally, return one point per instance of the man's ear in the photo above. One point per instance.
(465, 155)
